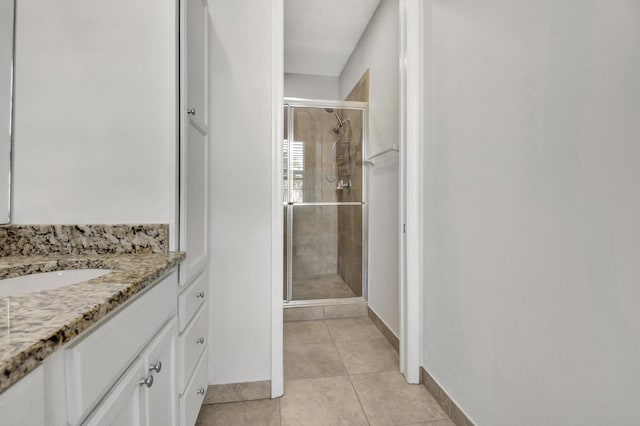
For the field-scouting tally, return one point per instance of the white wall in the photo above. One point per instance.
(6, 61)
(240, 116)
(531, 295)
(95, 118)
(310, 86)
(378, 50)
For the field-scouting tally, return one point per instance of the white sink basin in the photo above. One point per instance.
(47, 281)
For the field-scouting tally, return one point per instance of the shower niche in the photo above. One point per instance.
(324, 200)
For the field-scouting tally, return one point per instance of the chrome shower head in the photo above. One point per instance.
(336, 129)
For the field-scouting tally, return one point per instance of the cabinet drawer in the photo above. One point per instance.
(192, 298)
(191, 344)
(192, 398)
(96, 361)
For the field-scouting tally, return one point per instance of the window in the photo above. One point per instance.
(297, 170)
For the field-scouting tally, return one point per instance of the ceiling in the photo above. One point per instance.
(319, 35)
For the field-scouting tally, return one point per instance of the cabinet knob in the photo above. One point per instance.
(200, 295)
(201, 391)
(156, 367)
(191, 111)
(147, 381)
(200, 340)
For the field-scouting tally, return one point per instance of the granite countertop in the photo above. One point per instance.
(35, 325)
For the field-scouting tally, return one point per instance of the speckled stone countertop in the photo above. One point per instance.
(35, 325)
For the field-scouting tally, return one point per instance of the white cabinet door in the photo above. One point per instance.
(193, 140)
(125, 405)
(162, 396)
(24, 402)
(197, 21)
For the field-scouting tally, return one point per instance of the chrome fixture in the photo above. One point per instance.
(336, 129)
(147, 381)
(192, 111)
(156, 367)
(200, 340)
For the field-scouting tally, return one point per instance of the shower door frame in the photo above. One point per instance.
(290, 104)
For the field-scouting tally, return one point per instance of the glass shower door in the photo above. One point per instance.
(324, 203)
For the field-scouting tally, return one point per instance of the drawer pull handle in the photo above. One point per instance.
(156, 367)
(200, 340)
(200, 295)
(201, 391)
(147, 381)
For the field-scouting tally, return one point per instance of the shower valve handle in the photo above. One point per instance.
(192, 111)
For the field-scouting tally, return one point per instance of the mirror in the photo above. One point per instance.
(7, 20)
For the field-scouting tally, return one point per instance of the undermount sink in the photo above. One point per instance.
(33, 283)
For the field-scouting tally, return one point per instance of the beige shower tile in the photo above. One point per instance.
(388, 399)
(312, 360)
(303, 332)
(326, 286)
(368, 356)
(321, 402)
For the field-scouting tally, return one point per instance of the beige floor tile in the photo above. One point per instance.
(368, 356)
(303, 332)
(312, 360)
(435, 423)
(352, 329)
(264, 412)
(322, 402)
(388, 399)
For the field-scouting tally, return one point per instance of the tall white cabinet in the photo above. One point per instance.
(193, 315)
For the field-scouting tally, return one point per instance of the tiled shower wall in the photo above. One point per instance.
(350, 217)
(315, 228)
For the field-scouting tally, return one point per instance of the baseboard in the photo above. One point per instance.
(386, 331)
(454, 412)
(234, 392)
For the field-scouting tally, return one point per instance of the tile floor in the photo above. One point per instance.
(327, 286)
(337, 372)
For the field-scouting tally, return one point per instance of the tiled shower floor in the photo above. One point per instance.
(329, 286)
(337, 372)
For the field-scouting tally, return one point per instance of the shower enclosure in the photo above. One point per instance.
(324, 198)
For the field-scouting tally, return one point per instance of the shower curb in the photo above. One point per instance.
(326, 310)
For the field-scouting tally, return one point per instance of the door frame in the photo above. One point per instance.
(411, 186)
(411, 189)
(277, 222)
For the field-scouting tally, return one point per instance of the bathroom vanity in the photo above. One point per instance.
(128, 347)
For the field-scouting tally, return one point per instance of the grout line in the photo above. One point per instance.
(351, 382)
(337, 350)
(359, 402)
(280, 408)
